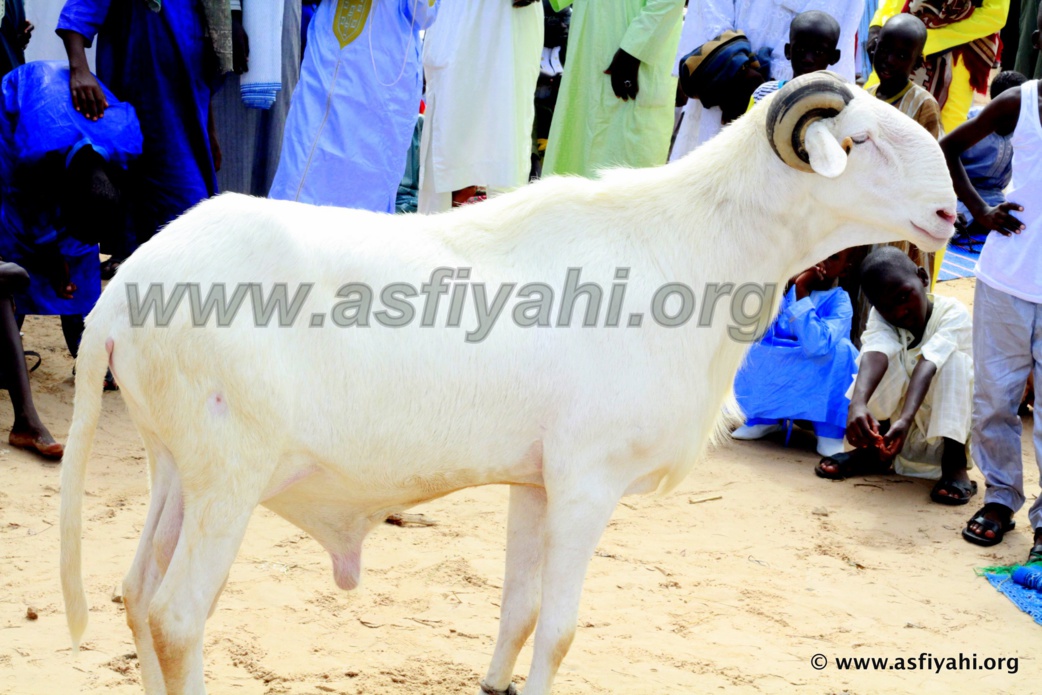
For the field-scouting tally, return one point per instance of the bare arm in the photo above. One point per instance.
(87, 96)
(1000, 114)
(918, 385)
(862, 428)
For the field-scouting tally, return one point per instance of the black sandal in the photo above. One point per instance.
(1035, 556)
(959, 492)
(850, 464)
(998, 529)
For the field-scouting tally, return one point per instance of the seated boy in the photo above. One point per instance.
(813, 37)
(722, 72)
(802, 367)
(912, 399)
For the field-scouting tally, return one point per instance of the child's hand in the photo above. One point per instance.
(863, 429)
(807, 279)
(999, 219)
(895, 437)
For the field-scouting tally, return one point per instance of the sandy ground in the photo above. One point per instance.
(732, 583)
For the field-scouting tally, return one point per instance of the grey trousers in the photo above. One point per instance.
(1007, 346)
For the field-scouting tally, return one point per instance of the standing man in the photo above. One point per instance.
(166, 63)
(481, 60)
(352, 116)
(617, 94)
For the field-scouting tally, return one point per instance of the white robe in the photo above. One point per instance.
(766, 24)
(481, 59)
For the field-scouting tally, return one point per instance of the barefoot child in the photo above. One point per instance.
(802, 367)
(910, 404)
(1007, 308)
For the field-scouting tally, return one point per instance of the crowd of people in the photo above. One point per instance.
(399, 106)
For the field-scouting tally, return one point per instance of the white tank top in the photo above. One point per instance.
(1014, 264)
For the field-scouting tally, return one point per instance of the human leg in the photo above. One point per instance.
(28, 431)
(1001, 362)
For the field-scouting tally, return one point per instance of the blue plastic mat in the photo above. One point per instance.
(959, 261)
(1027, 600)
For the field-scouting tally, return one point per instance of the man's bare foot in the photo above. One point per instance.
(36, 439)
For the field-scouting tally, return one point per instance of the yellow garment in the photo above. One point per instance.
(986, 20)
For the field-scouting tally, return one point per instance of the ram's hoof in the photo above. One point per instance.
(489, 690)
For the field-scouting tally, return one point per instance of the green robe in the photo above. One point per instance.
(1029, 62)
(593, 129)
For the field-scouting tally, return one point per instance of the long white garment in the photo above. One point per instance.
(946, 409)
(766, 24)
(481, 59)
(353, 112)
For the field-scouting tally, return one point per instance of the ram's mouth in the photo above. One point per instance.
(944, 236)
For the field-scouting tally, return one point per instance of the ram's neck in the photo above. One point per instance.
(718, 204)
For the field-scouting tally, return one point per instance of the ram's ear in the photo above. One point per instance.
(827, 156)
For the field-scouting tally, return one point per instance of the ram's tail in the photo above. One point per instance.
(91, 364)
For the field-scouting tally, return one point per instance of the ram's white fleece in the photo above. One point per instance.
(334, 428)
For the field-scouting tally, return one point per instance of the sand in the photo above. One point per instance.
(731, 583)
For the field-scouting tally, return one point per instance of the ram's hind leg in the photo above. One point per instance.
(521, 583)
(158, 538)
(216, 512)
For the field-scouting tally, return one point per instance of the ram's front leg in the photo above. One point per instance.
(576, 516)
(521, 585)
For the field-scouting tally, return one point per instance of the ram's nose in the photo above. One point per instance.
(947, 214)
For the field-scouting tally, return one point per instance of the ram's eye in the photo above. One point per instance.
(859, 139)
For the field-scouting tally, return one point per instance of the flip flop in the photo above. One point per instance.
(51, 452)
(963, 492)
(39, 360)
(998, 529)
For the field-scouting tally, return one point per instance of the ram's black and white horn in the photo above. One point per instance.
(796, 105)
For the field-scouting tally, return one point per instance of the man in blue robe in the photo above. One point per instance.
(354, 110)
(163, 64)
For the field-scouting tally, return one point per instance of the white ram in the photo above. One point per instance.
(336, 428)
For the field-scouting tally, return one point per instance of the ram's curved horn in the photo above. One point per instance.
(799, 103)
